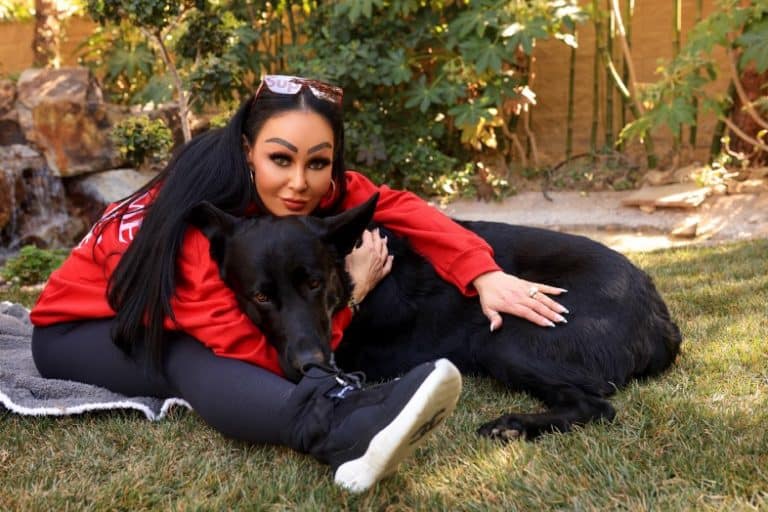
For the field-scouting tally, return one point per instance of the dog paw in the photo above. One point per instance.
(607, 412)
(505, 429)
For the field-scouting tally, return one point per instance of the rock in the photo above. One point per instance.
(63, 113)
(750, 186)
(59, 230)
(10, 131)
(681, 195)
(93, 192)
(720, 189)
(656, 178)
(687, 173)
(15, 161)
(686, 229)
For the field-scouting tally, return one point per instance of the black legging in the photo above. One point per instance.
(238, 399)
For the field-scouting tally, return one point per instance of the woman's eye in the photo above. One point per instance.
(319, 164)
(260, 297)
(281, 160)
(314, 284)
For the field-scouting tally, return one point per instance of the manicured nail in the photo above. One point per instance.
(550, 324)
(561, 319)
(491, 326)
(563, 309)
(563, 290)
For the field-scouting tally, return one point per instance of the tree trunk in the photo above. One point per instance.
(45, 44)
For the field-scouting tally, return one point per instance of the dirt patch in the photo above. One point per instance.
(601, 215)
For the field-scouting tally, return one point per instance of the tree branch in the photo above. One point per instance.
(735, 129)
(745, 101)
(183, 100)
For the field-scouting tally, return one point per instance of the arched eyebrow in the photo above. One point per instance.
(283, 142)
(293, 148)
(320, 146)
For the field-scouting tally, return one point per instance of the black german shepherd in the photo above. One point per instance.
(288, 276)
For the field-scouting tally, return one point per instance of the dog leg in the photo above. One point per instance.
(573, 396)
(581, 410)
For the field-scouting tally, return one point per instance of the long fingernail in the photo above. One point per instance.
(563, 290)
(561, 319)
(492, 327)
(563, 309)
(550, 324)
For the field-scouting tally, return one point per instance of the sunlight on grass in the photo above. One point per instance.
(694, 439)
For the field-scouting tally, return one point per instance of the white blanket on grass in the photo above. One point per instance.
(24, 391)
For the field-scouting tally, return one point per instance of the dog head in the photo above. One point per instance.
(287, 274)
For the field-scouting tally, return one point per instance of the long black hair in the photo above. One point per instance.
(211, 167)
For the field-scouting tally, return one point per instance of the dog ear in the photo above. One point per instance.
(345, 229)
(211, 220)
(215, 224)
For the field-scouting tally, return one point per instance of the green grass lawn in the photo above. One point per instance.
(694, 439)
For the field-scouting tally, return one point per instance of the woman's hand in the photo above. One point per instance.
(368, 264)
(504, 293)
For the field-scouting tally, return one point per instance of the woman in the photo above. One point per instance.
(139, 307)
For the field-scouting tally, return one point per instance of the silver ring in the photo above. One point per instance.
(532, 291)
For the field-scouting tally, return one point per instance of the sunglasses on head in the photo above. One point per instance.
(284, 84)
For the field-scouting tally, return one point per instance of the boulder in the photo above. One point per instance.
(15, 161)
(93, 192)
(62, 111)
(10, 131)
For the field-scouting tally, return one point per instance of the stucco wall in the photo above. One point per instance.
(652, 36)
(652, 40)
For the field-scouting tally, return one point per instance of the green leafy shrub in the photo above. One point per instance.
(142, 140)
(32, 265)
(446, 97)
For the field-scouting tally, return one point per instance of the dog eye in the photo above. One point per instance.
(260, 297)
(314, 284)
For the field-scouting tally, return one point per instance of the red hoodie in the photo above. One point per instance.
(206, 308)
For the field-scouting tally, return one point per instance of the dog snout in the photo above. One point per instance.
(303, 360)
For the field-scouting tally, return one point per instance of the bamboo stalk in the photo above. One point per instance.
(291, 21)
(716, 146)
(595, 80)
(630, 9)
(695, 126)
(571, 88)
(528, 114)
(622, 35)
(677, 19)
(650, 155)
(609, 90)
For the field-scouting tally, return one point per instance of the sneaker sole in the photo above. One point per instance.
(433, 401)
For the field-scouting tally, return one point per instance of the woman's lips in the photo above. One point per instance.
(293, 204)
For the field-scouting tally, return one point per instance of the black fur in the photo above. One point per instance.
(619, 327)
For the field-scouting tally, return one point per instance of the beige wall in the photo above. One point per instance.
(16, 43)
(652, 35)
(652, 40)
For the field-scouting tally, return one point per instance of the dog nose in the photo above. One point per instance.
(306, 358)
